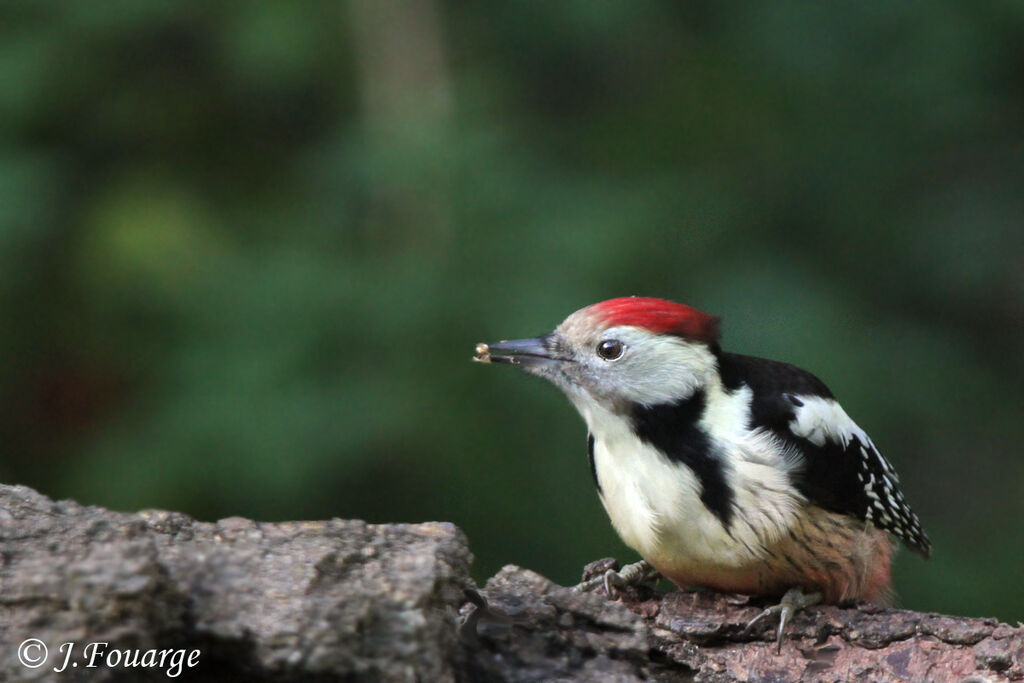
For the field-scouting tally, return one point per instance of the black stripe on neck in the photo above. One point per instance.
(673, 429)
(593, 466)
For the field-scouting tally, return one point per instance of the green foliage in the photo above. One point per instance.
(246, 249)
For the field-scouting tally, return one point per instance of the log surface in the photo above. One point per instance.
(343, 600)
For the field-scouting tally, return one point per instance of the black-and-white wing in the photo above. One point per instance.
(842, 470)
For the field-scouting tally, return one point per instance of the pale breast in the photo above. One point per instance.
(655, 504)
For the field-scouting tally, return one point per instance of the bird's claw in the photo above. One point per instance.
(630, 575)
(792, 602)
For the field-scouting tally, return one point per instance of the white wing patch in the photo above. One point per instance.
(820, 419)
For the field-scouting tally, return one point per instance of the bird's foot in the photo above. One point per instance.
(630, 575)
(792, 602)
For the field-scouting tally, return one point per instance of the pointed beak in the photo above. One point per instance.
(529, 353)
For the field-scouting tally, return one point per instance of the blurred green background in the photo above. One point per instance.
(246, 249)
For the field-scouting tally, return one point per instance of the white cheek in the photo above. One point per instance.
(659, 370)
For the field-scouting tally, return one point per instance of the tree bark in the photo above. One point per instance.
(345, 600)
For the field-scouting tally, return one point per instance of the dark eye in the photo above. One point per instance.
(610, 349)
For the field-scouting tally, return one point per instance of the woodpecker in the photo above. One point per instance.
(723, 471)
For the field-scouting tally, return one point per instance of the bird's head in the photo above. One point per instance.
(620, 352)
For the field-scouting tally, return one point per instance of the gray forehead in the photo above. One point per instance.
(585, 328)
(581, 326)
